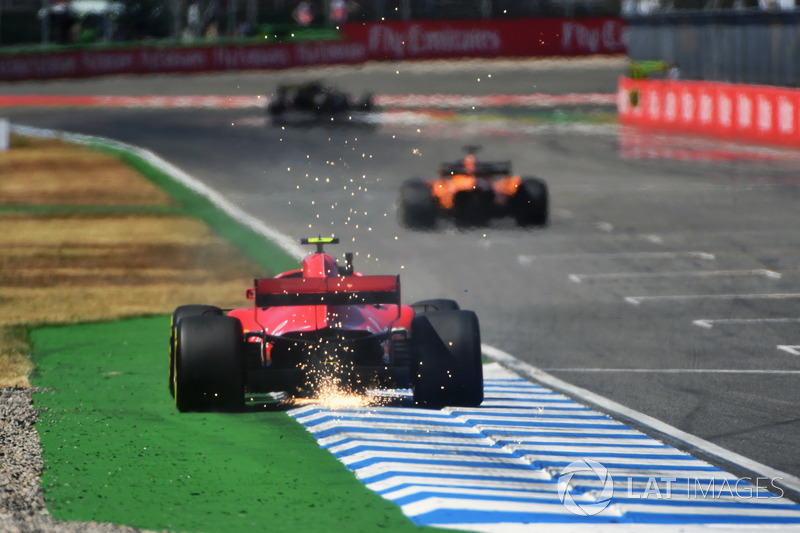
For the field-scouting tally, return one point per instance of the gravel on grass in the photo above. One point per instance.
(22, 505)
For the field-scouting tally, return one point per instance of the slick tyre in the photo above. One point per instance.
(446, 366)
(209, 370)
(531, 203)
(182, 312)
(416, 206)
(435, 304)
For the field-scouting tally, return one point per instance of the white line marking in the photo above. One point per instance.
(525, 260)
(636, 300)
(794, 350)
(655, 239)
(622, 413)
(672, 370)
(705, 256)
(709, 323)
(604, 226)
(578, 278)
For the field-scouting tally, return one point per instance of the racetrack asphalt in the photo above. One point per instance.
(657, 245)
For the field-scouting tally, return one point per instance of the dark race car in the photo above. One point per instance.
(472, 192)
(324, 323)
(315, 100)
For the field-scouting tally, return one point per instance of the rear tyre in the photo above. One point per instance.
(209, 368)
(531, 203)
(446, 364)
(416, 207)
(182, 312)
(435, 304)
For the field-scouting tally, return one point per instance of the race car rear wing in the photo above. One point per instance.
(483, 169)
(344, 290)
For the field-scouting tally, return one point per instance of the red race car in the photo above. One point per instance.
(473, 192)
(323, 323)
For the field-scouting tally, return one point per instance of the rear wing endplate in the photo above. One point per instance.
(344, 290)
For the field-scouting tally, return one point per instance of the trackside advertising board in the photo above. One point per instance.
(761, 114)
(492, 38)
(360, 42)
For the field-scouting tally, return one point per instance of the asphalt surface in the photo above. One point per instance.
(640, 247)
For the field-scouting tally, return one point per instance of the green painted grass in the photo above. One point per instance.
(117, 450)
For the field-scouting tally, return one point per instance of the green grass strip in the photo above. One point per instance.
(117, 450)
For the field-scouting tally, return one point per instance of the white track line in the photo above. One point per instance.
(705, 256)
(604, 226)
(709, 323)
(579, 278)
(636, 300)
(794, 350)
(625, 414)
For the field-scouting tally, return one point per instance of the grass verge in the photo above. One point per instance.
(118, 451)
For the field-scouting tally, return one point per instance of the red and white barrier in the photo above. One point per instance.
(753, 113)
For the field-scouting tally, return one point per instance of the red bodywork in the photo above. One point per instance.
(302, 315)
(321, 330)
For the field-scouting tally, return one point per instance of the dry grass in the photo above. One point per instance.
(15, 363)
(37, 172)
(57, 269)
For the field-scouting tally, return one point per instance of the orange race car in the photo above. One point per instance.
(473, 192)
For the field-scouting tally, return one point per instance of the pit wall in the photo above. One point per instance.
(360, 42)
(749, 113)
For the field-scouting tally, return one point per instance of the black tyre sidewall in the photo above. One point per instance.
(531, 203)
(416, 207)
(447, 368)
(209, 369)
(180, 313)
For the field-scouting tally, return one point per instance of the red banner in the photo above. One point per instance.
(756, 113)
(361, 42)
(489, 38)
